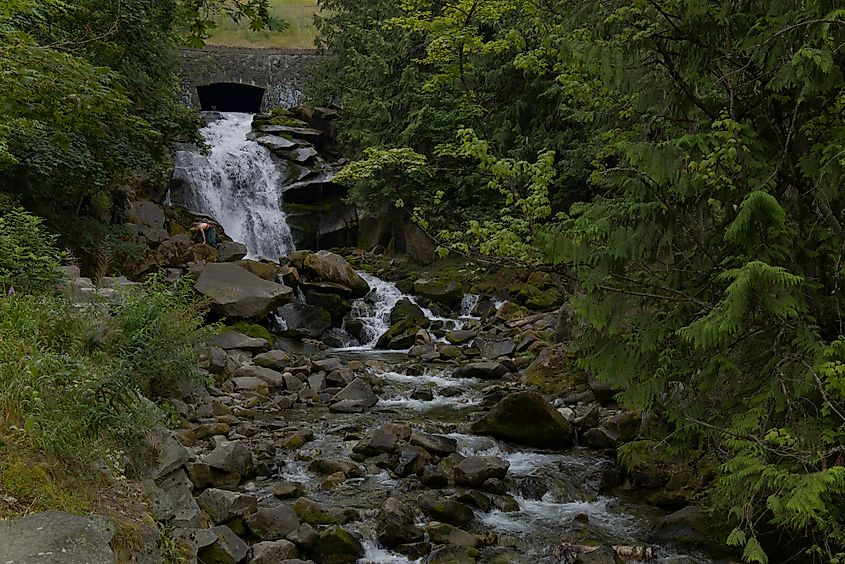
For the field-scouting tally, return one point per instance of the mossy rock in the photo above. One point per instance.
(649, 464)
(315, 514)
(546, 300)
(335, 304)
(336, 545)
(253, 330)
(401, 335)
(554, 372)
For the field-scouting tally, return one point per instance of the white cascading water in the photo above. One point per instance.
(239, 185)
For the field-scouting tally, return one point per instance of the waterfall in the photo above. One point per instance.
(239, 185)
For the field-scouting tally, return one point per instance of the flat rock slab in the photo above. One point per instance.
(238, 293)
(56, 538)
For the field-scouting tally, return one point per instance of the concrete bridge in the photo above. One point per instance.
(245, 80)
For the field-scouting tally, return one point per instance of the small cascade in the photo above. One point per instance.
(374, 309)
(468, 304)
(238, 184)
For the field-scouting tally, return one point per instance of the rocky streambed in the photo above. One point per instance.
(436, 453)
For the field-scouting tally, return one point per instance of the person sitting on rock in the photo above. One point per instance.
(206, 232)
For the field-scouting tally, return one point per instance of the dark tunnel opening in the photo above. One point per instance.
(230, 97)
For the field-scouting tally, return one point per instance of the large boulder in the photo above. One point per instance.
(354, 398)
(419, 245)
(338, 546)
(485, 370)
(227, 549)
(475, 470)
(222, 505)
(237, 293)
(526, 418)
(303, 320)
(445, 510)
(273, 523)
(554, 372)
(324, 266)
(396, 524)
(446, 292)
(56, 538)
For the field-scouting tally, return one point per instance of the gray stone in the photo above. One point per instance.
(324, 266)
(56, 538)
(305, 536)
(329, 466)
(250, 384)
(443, 533)
(231, 339)
(475, 470)
(435, 444)
(354, 398)
(233, 457)
(494, 349)
(172, 500)
(275, 359)
(238, 293)
(336, 545)
(376, 442)
(222, 505)
(526, 418)
(395, 524)
(303, 320)
(446, 292)
(230, 251)
(485, 370)
(146, 213)
(272, 378)
(313, 513)
(276, 142)
(445, 510)
(454, 554)
(164, 454)
(227, 549)
(273, 523)
(411, 459)
(271, 552)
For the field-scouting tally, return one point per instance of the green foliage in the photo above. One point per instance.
(681, 162)
(29, 259)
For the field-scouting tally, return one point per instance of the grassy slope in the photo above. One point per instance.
(300, 35)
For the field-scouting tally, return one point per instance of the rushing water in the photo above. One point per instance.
(238, 184)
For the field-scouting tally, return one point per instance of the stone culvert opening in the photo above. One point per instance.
(230, 97)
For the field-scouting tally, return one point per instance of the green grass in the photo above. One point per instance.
(300, 34)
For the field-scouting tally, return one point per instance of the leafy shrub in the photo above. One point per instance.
(29, 259)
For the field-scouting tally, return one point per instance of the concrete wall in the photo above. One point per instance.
(281, 72)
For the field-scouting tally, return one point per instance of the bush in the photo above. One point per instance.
(29, 259)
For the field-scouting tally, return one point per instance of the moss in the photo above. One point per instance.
(30, 485)
(253, 330)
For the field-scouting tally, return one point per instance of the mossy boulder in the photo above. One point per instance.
(336, 545)
(401, 335)
(313, 513)
(335, 304)
(253, 330)
(554, 372)
(526, 418)
(446, 292)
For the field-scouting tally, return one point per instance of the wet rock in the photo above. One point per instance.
(445, 510)
(526, 418)
(273, 523)
(285, 490)
(411, 460)
(222, 505)
(227, 549)
(446, 292)
(232, 457)
(443, 533)
(506, 503)
(305, 536)
(325, 266)
(315, 514)
(600, 438)
(276, 359)
(475, 470)
(625, 425)
(67, 539)
(303, 320)
(554, 372)
(230, 251)
(376, 442)
(402, 334)
(588, 416)
(686, 526)
(406, 309)
(460, 336)
(271, 552)
(395, 524)
(435, 444)
(229, 340)
(486, 370)
(433, 476)
(329, 466)
(596, 555)
(237, 293)
(354, 398)
(452, 555)
(422, 394)
(476, 499)
(336, 545)
(494, 349)
(532, 487)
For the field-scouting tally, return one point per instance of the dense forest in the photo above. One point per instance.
(679, 165)
(675, 166)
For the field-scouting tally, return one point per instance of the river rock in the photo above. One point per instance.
(272, 378)
(172, 500)
(486, 370)
(433, 476)
(375, 442)
(272, 552)
(324, 266)
(227, 549)
(222, 505)
(452, 555)
(475, 470)
(596, 555)
(460, 336)
(230, 340)
(526, 418)
(305, 536)
(395, 524)
(600, 438)
(273, 523)
(313, 513)
(164, 453)
(329, 466)
(232, 457)
(446, 292)
(237, 293)
(56, 538)
(685, 526)
(435, 444)
(336, 545)
(303, 320)
(335, 304)
(354, 398)
(492, 350)
(410, 460)
(445, 510)
(443, 533)
(287, 489)
(231, 251)
(275, 359)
